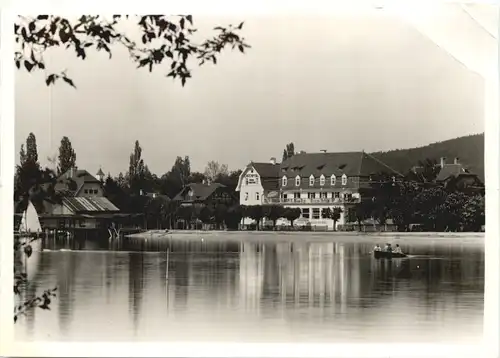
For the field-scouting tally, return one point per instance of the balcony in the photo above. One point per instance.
(281, 201)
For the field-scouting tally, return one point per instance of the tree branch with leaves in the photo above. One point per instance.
(163, 40)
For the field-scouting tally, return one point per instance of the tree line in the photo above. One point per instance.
(421, 203)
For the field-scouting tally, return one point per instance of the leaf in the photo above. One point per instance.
(190, 19)
(32, 26)
(68, 81)
(41, 66)
(28, 65)
(169, 54)
(182, 23)
(51, 79)
(42, 17)
(15, 318)
(241, 48)
(18, 65)
(63, 36)
(240, 26)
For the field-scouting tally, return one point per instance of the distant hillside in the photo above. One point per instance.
(469, 150)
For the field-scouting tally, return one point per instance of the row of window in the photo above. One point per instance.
(90, 191)
(322, 195)
(257, 196)
(306, 213)
(322, 179)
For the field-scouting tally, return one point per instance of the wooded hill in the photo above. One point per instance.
(469, 150)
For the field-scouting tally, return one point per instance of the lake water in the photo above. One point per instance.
(257, 288)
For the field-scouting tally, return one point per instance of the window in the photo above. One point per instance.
(257, 196)
(311, 180)
(85, 191)
(315, 213)
(322, 180)
(305, 213)
(297, 180)
(348, 196)
(333, 180)
(296, 195)
(322, 195)
(283, 181)
(251, 179)
(246, 181)
(344, 179)
(336, 195)
(311, 195)
(246, 196)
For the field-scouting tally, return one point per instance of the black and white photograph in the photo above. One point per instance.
(291, 177)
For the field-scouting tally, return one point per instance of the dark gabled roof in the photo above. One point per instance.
(269, 174)
(79, 176)
(267, 170)
(452, 170)
(89, 204)
(200, 191)
(349, 163)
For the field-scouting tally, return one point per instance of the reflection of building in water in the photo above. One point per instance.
(251, 275)
(135, 286)
(66, 275)
(298, 274)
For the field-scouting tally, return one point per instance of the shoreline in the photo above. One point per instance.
(319, 235)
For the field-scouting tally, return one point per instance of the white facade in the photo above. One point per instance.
(251, 190)
(250, 187)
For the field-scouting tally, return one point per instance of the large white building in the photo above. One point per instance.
(256, 182)
(311, 182)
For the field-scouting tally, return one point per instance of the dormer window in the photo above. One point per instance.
(284, 181)
(322, 180)
(311, 180)
(344, 179)
(333, 180)
(297, 180)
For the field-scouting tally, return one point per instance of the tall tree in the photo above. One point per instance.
(28, 173)
(213, 170)
(31, 150)
(289, 151)
(22, 155)
(67, 156)
(181, 170)
(165, 40)
(136, 169)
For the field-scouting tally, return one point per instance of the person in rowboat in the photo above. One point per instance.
(388, 248)
(398, 250)
(377, 248)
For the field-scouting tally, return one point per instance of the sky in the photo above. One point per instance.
(369, 81)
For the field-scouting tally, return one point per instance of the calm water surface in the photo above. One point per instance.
(300, 289)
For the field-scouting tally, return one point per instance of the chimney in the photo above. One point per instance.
(455, 161)
(443, 161)
(272, 160)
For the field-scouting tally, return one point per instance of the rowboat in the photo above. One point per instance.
(387, 255)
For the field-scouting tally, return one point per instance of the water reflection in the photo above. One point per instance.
(256, 290)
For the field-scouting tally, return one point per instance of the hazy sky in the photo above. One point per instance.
(338, 83)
